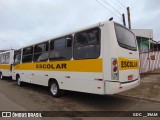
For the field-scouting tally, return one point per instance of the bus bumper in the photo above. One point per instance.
(117, 87)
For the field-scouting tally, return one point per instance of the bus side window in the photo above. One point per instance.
(87, 44)
(2, 58)
(17, 57)
(61, 48)
(7, 57)
(27, 54)
(41, 52)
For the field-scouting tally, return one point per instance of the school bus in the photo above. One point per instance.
(101, 59)
(6, 62)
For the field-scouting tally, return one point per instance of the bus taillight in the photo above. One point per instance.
(114, 62)
(115, 71)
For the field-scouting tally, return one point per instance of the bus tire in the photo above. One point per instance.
(54, 89)
(1, 76)
(19, 82)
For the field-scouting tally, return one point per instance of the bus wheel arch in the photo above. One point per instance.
(17, 76)
(54, 89)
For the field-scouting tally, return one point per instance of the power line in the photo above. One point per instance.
(121, 4)
(107, 9)
(112, 7)
(118, 5)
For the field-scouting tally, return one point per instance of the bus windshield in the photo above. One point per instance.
(126, 39)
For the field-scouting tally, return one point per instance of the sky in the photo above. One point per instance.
(24, 22)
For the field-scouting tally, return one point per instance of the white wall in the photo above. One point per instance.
(147, 33)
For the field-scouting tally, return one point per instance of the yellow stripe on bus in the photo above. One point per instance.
(128, 64)
(4, 67)
(89, 65)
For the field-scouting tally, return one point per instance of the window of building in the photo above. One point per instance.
(143, 44)
(87, 44)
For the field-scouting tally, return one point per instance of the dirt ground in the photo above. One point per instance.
(148, 90)
(146, 97)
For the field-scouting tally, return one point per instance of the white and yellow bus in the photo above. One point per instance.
(6, 62)
(99, 59)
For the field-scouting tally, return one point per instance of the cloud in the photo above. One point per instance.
(32, 22)
(146, 15)
(28, 21)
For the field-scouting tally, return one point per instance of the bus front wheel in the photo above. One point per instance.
(54, 89)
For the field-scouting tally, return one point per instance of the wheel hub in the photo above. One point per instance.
(54, 89)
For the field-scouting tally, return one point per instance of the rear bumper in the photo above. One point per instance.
(117, 87)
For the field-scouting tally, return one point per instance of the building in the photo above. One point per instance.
(149, 50)
(144, 38)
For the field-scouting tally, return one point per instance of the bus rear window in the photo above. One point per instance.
(126, 39)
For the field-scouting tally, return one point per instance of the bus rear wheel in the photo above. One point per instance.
(19, 82)
(54, 89)
(1, 76)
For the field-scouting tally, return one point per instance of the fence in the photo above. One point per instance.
(150, 62)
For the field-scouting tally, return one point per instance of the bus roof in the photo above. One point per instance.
(6, 51)
(68, 33)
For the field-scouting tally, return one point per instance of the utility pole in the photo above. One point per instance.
(129, 17)
(124, 20)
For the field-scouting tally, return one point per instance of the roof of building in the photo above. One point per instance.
(147, 33)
